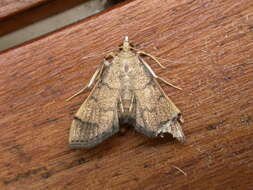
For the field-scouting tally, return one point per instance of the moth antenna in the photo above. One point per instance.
(151, 56)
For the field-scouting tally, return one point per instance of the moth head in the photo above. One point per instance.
(126, 45)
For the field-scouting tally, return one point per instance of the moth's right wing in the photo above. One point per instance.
(155, 113)
(97, 118)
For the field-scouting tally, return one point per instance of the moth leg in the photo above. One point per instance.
(131, 104)
(168, 83)
(121, 106)
(152, 57)
(96, 75)
(157, 77)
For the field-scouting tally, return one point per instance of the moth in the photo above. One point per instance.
(125, 90)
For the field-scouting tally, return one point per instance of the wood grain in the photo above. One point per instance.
(208, 46)
(11, 7)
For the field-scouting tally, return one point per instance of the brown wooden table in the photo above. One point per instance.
(208, 47)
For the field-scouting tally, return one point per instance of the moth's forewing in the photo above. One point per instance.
(97, 118)
(155, 112)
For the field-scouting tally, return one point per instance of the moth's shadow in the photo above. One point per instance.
(149, 141)
(166, 139)
(127, 132)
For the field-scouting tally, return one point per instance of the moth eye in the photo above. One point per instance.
(107, 60)
(132, 45)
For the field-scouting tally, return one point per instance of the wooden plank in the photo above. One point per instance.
(210, 48)
(35, 14)
(11, 7)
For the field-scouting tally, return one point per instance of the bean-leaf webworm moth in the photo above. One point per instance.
(125, 90)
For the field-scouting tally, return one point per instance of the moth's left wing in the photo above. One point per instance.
(156, 114)
(97, 118)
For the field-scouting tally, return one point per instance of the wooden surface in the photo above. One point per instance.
(11, 7)
(210, 48)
